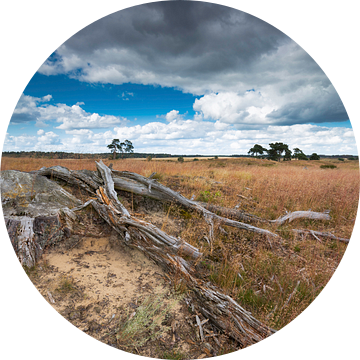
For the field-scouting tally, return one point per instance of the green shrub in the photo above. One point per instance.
(206, 196)
(328, 166)
(340, 159)
(180, 159)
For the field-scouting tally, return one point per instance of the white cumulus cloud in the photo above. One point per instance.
(70, 117)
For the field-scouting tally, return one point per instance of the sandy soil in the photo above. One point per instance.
(95, 283)
(99, 284)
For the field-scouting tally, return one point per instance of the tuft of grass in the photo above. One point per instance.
(146, 323)
(31, 272)
(207, 196)
(158, 176)
(66, 285)
(252, 300)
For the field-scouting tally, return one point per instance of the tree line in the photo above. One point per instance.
(278, 151)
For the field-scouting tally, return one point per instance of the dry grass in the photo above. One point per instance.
(275, 280)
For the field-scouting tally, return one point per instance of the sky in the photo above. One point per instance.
(182, 78)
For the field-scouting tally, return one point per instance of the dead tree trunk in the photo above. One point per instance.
(173, 254)
(168, 252)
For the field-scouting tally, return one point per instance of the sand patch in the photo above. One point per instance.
(100, 282)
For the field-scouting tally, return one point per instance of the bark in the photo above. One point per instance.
(34, 209)
(73, 178)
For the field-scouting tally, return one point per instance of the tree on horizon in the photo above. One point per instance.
(257, 149)
(114, 146)
(121, 147)
(277, 149)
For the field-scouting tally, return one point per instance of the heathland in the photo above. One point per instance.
(274, 279)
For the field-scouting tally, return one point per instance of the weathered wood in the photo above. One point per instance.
(72, 178)
(173, 254)
(140, 185)
(168, 252)
(109, 185)
(290, 216)
(223, 311)
(32, 207)
(232, 213)
(137, 230)
(319, 233)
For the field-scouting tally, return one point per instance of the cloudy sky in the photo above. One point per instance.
(183, 78)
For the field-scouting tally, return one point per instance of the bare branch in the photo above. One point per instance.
(302, 215)
(319, 233)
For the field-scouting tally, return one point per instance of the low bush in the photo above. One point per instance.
(328, 166)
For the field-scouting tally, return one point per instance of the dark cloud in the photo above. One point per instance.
(193, 39)
(317, 108)
(200, 48)
(18, 118)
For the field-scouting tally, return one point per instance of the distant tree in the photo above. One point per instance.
(128, 146)
(276, 150)
(314, 156)
(302, 157)
(287, 156)
(257, 149)
(299, 155)
(149, 158)
(115, 146)
(121, 147)
(180, 159)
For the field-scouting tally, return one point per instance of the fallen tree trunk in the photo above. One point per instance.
(168, 252)
(140, 185)
(149, 187)
(175, 255)
(225, 313)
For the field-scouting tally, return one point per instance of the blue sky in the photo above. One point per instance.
(180, 78)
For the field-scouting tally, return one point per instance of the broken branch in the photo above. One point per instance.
(319, 233)
(302, 215)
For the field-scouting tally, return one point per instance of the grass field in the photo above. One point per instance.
(274, 279)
